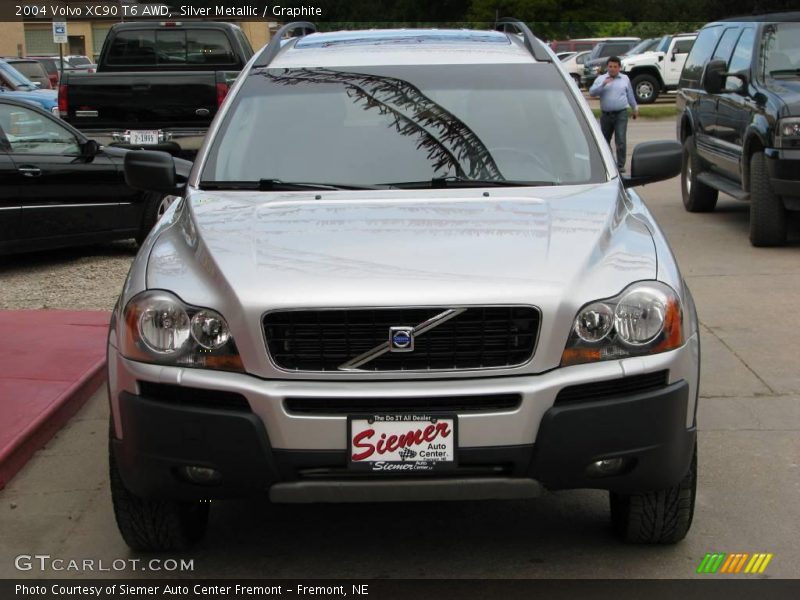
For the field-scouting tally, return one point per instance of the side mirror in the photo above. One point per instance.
(654, 161)
(672, 58)
(150, 171)
(90, 148)
(714, 76)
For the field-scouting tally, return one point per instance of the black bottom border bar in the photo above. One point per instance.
(405, 589)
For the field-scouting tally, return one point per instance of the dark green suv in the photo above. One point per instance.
(739, 120)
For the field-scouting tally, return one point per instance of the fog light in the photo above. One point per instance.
(201, 475)
(606, 467)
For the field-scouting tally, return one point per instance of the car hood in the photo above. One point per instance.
(554, 247)
(44, 98)
(650, 57)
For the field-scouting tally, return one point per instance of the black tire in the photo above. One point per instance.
(767, 212)
(658, 517)
(155, 204)
(155, 525)
(697, 196)
(646, 88)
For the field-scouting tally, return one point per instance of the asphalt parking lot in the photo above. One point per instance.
(749, 447)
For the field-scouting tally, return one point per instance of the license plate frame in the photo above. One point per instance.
(144, 137)
(431, 447)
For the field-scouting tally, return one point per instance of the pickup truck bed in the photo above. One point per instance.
(179, 105)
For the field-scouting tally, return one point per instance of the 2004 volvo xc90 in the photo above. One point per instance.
(404, 267)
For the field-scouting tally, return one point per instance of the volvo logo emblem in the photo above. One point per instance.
(401, 339)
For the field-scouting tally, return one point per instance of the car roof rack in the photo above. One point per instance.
(275, 43)
(534, 46)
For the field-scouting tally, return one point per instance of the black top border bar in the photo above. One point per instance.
(354, 13)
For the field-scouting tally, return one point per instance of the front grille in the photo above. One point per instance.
(481, 337)
(613, 388)
(459, 404)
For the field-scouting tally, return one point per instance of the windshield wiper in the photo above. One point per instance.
(269, 185)
(456, 181)
(785, 72)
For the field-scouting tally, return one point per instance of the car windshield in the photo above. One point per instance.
(663, 44)
(781, 54)
(394, 125)
(17, 79)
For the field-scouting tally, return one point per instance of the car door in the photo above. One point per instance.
(9, 202)
(713, 149)
(676, 58)
(61, 192)
(735, 107)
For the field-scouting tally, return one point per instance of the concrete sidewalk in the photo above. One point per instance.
(51, 363)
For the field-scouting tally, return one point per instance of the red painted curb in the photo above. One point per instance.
(58, 364)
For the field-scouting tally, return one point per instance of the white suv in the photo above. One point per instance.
(404, 268)
(658, 71)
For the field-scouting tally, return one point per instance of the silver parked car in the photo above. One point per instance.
(404, 267)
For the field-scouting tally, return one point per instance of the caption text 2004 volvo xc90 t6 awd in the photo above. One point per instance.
(404, 267)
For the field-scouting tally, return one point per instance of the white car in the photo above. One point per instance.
(404, 268)
(574, 64)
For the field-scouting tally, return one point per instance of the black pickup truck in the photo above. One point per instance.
(739, 120)
(157, 85)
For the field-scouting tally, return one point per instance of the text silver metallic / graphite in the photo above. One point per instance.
(266, 11)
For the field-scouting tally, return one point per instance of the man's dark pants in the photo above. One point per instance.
(616, 123)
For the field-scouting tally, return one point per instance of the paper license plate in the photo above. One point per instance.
(402, 443)
(148, 136)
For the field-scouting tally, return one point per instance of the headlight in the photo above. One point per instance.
(646, 318)
(160, 328)
(594, 70)
(788, 133)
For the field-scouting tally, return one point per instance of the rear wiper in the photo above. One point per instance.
(458, 181)
(278, 185)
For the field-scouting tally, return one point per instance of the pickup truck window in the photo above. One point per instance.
(742, 56)
(699, 56)
(726, 44)
(171, 47)
(397, 124)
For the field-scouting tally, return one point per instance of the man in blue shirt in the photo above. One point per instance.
(616, 96)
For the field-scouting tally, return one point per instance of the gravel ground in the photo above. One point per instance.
(86, 278)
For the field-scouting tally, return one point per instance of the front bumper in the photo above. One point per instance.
(783, 166)
(259, 445)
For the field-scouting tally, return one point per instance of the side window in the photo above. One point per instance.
(29, 132)
(683, 46)
(742, 56)
(726, 44)
(616, 49)
(698, 57)
(584, 46)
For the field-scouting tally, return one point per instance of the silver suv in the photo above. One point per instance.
(404, 268)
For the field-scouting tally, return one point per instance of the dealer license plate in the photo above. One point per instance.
(402, 443)
(144, 136)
